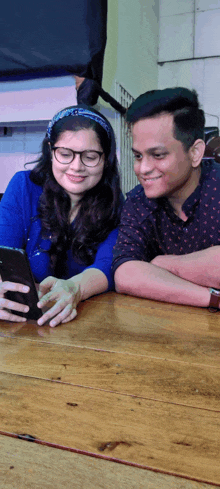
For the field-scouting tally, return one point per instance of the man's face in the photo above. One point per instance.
(161, 164)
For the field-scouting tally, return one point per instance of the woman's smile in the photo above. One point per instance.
(75, 178)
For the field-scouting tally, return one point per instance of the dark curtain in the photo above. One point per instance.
(48, 38)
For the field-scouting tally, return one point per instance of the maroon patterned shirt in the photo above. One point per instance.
(149, 227)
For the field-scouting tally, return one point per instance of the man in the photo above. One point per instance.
(168, 247)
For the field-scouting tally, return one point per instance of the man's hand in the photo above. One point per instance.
(66, 295)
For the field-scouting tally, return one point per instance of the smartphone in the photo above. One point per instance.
(15, 267)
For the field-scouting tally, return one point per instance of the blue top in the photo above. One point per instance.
(21, 228)
(150, 227)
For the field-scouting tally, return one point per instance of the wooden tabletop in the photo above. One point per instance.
(125, 396)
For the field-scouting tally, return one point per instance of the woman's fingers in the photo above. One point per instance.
(53, 295)
(15, 306)
(66, 297)
(13, 287)
(71, 316)
(58, 312)
(61, 316)
(45, 286)
(8, 316)
(7, 305)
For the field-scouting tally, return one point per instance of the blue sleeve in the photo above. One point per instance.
(13, 230)
(104, 256)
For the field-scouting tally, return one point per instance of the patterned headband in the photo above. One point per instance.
(78, 112)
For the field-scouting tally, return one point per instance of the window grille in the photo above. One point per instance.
(124, 143)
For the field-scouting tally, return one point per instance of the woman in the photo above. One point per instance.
(64, 213)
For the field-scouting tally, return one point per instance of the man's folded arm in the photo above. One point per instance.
(200, 267)
(159, 279)
(149, 281)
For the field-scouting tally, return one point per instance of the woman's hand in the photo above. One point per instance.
(7, 306)
(65, 293)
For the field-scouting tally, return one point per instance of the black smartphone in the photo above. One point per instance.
(15, 267)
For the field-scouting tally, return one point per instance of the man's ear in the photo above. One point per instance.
(196, 152)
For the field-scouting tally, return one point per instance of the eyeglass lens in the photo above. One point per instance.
(88, 158)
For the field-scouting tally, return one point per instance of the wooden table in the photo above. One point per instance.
(125, 396)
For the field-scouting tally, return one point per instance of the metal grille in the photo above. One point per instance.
(128, 177)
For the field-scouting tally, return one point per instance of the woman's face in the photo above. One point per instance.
(75, 177)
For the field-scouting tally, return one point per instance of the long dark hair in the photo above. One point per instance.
(98, 210)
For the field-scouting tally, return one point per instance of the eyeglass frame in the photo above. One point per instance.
(99, 153)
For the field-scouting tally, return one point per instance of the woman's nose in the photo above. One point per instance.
(76, 163)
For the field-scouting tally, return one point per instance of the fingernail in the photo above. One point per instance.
(26, 309)
(25, 288)
(52, 324)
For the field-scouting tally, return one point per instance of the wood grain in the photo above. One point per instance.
(144, 376)
(176, 439)
(127, 324)
(131, 380)
(54, 469)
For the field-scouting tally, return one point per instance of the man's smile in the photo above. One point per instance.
(150, 179)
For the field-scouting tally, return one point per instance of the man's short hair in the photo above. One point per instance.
(183, 104)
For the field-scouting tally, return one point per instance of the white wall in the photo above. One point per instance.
(37, 99)
(189, 50)
(21, 103)
(132, 46)
(16, 150)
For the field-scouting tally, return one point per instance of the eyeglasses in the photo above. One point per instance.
(87, 157)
